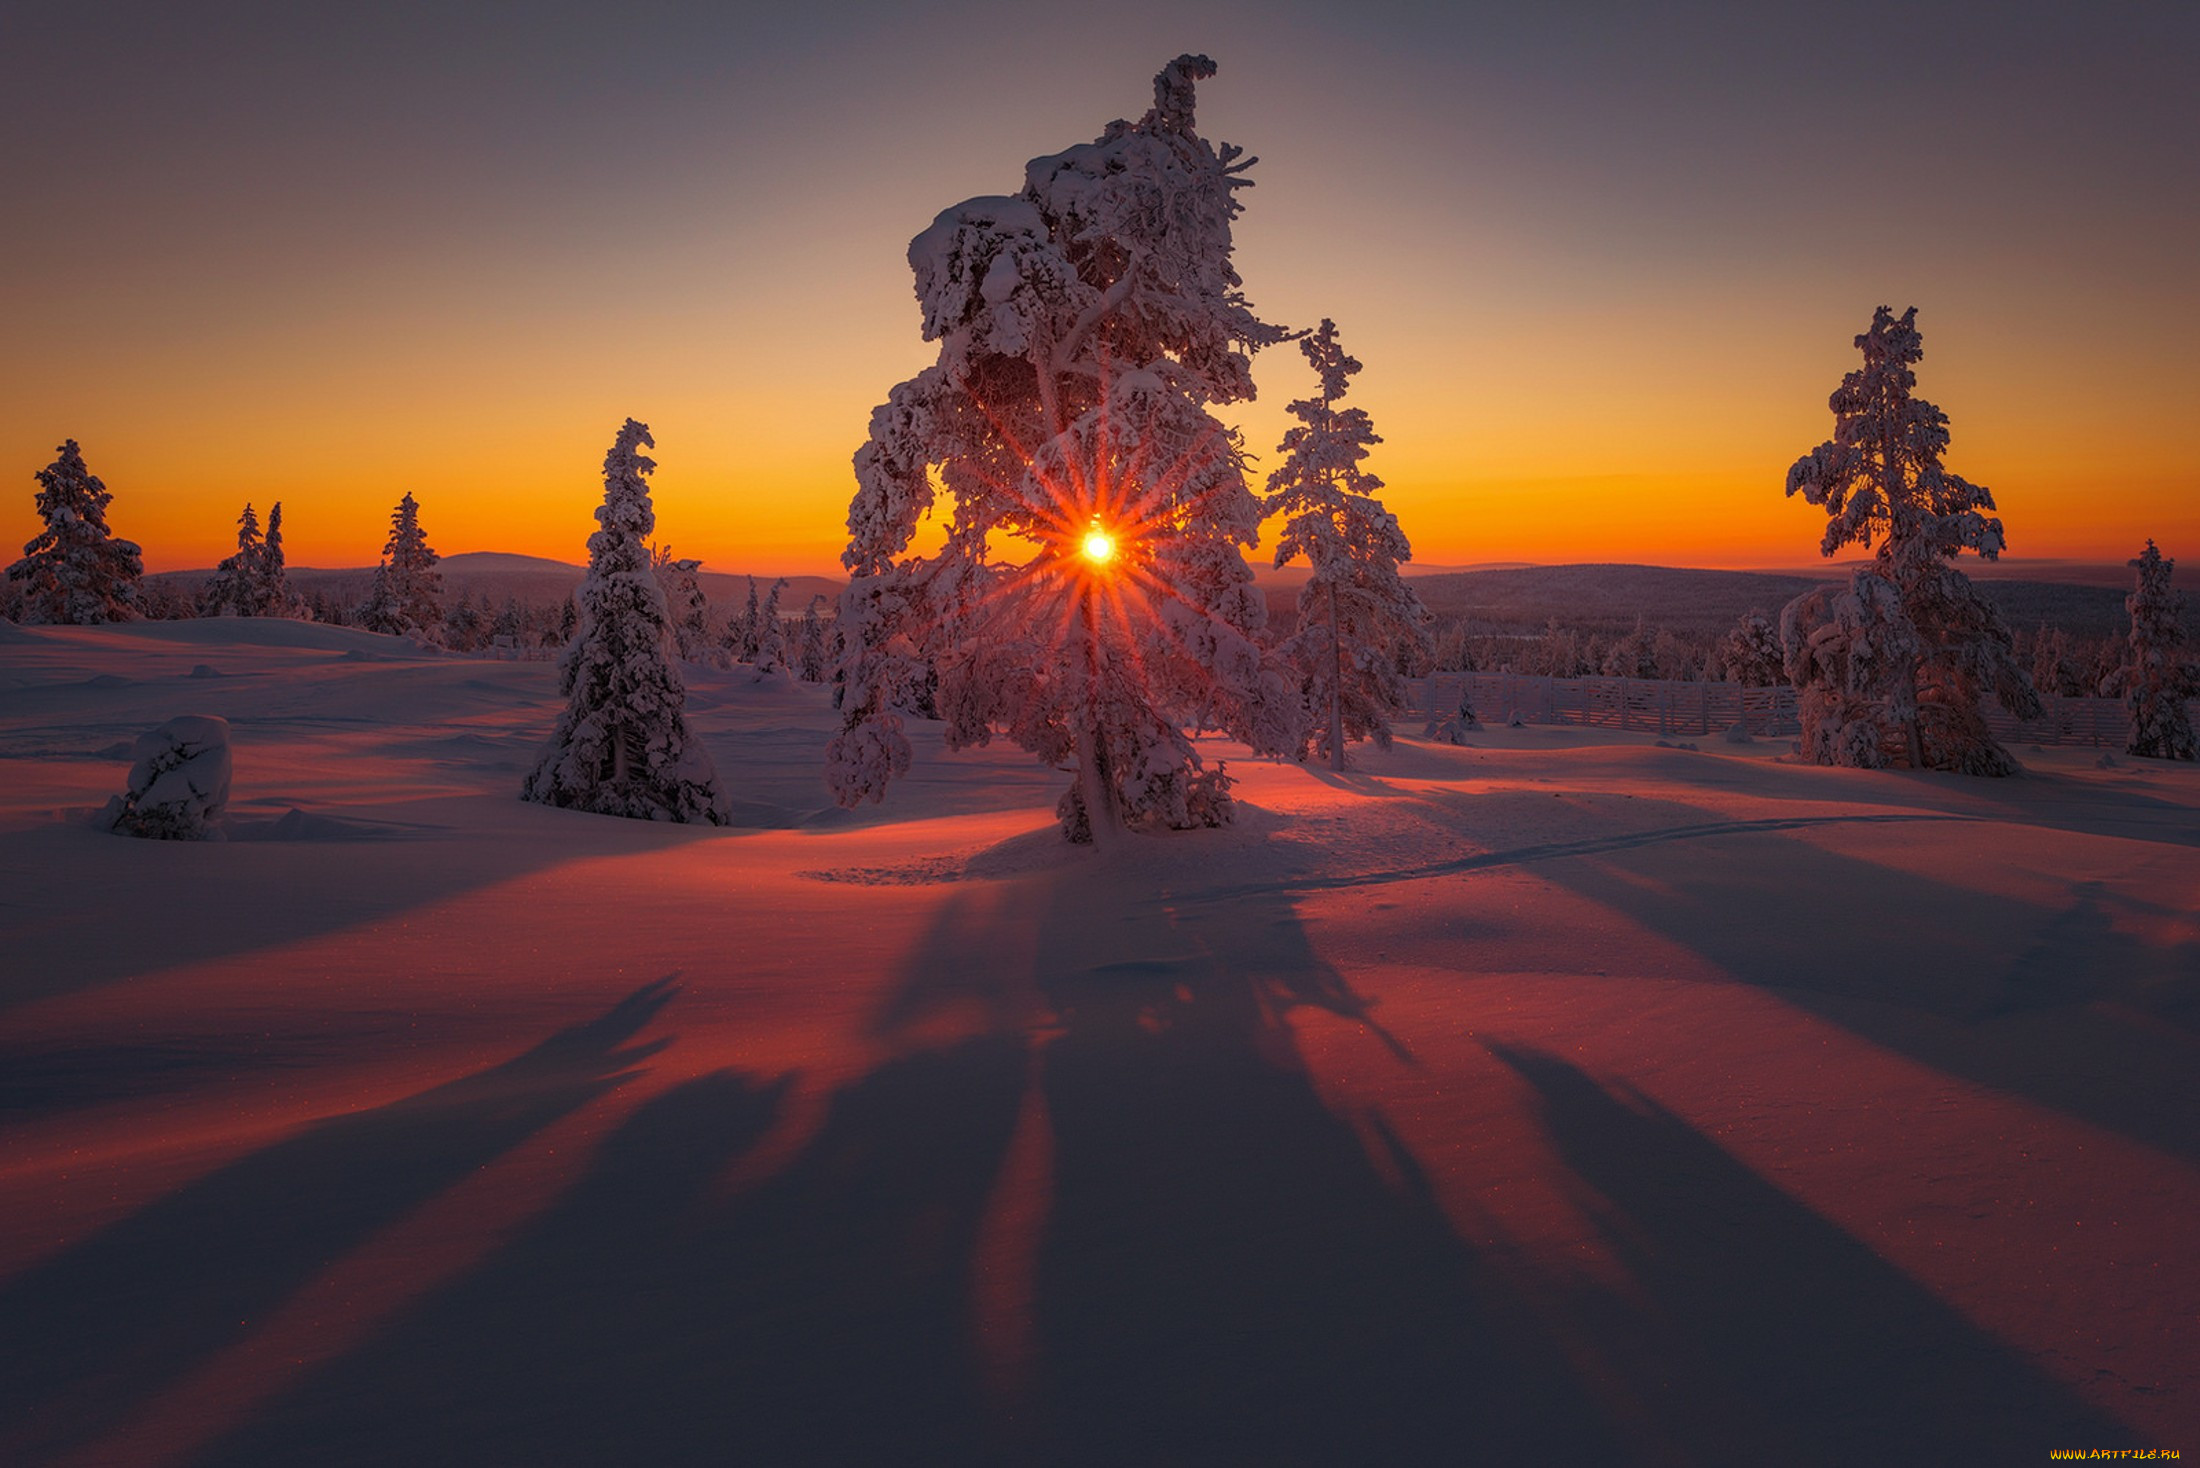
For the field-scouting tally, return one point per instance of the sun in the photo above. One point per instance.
(1098, 546)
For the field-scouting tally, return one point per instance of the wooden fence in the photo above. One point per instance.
(1651, 706)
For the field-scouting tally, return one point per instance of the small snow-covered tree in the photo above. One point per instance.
(771, 633)
(274, 579)
(742, 628)
(1933, 646)
(1091, 596)
(511, 624)
(76, 571)
(622, 746)
(1634, 655)
(1355, 609)
(689, 609)
(1750, 653)
(234, 588)
(814, 657)
(2159, 679)
(407, 594)
(466, 625)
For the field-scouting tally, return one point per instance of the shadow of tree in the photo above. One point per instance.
(2079, 1017)
(1227, 1276)
(109, 1323)
(820, 1315)
(1761, 1333)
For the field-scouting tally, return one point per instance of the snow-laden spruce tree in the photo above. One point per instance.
(76, 571)
(1355, 609)
(1891, 670)
(1092, 594)
(253, 582)
(622, 746)
(771, 633)
(274, 578)
(811, 657)
(743, 628)
(407, 595)
(2158, 677)
(1750, 653)
(682, 584)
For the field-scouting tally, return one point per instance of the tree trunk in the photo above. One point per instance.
(1094, 777)
(1336, 685)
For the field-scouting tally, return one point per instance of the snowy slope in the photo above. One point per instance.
(1562, 1093)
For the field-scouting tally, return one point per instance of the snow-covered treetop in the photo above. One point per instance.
(407, 548)
(70, 495)
(1880, 474)
(626, 515)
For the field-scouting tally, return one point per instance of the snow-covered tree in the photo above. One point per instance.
(1634, 655)
(1092, 593)
(511, 625)
(771, 633)
(234, 588)
(275, 597)
(1750, 653)
(466, 625)
(76, 571)
(2158, 677)
(1931, 646)
(813, 657)
(253, 582)
(622, 746)
(741, 630)
(682, 584)
(407, 594)
(1355, 608)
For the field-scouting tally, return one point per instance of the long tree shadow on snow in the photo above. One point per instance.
(110, 1323)
(659, 1314)
(2064, 1010)
(1756, 1331)
(1226, 1276)
(1212, 1269)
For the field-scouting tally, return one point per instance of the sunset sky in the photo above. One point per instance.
(1603, 263)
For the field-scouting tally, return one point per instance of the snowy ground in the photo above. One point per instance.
(1564, 1094)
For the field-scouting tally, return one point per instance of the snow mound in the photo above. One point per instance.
(297, 825)
(179, 783)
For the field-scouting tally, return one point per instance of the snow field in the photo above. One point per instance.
(1644, 1104)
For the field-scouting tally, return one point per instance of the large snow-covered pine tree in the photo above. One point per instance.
(1891, 671)
(1092, 595)
(407, 596)
(76, 570)
(1355, 608)
(2159, 679)
(622, 746)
